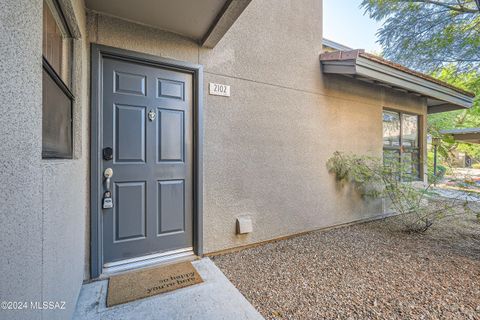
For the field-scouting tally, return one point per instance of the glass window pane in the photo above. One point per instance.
(391, 129)
(56, 121)
(391, 162)
(410, 130)
(57, 46)
(390, 156)
(411, 163)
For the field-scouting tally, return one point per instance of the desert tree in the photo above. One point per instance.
(427, 35)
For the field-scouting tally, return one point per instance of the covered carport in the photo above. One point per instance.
(464, 135)
(467, 135)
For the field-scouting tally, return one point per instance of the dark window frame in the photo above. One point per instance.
(57, 79)
(401, 149)
(50, 71)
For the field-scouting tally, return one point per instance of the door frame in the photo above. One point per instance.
(98, 53)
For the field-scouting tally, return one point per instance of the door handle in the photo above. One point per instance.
(108, 173)
(107, 202)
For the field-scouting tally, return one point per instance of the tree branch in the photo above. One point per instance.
(459, 8)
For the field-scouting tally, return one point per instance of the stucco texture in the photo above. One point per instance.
(118, 33)
(265, 154)
(20, 150)
(65, 196)
(265, 146)
(44, 202)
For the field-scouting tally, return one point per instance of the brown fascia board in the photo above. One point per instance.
(341, 55)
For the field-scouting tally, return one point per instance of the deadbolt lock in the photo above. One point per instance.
(107, 154)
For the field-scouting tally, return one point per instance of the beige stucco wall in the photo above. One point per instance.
(65, 185)
(43, 203)
(266, 146)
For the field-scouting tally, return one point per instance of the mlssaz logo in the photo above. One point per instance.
(47, 305)
(34, 305)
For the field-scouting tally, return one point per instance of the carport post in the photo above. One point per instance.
(435, 142)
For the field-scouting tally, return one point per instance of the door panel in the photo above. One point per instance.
(171, 196)
(129, 133)
(152, 159)
(130, 83)
(130, 210)
(171, 89)
(170, 135)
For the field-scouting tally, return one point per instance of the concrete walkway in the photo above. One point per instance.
(456, 194)
(215, 298)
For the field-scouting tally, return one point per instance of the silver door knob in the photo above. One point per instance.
(108, 173)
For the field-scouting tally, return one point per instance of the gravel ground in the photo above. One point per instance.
(365, 271)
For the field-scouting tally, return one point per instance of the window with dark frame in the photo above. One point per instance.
(401, 140)
(57, 136)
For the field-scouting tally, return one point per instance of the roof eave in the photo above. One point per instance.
(225, 19)
(205, 22)
(381, 74)
(469, 135)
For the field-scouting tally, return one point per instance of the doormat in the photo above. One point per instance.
(141, 284)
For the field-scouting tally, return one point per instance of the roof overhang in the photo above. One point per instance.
(469, 135)
(440, 96)
(204, 21)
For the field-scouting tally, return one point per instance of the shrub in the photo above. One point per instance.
(418, 204)
(441, 170)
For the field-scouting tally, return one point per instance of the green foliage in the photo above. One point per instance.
(441, 170)
(469, 118)
(419, 205)
(469, 81)
(427, 35)
(363, 172)
(441, 37)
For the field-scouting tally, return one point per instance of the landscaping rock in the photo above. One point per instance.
(367, 271)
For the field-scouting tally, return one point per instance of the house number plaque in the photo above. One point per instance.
(218, 89)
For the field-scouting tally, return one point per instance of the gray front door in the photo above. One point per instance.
(146, 119)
